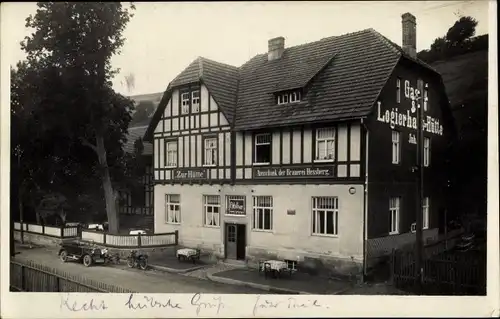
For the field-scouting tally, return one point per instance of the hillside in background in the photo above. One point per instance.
(466, 80)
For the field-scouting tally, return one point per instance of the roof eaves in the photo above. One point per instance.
(148, 136)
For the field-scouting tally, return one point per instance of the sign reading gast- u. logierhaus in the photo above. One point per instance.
(408, 118)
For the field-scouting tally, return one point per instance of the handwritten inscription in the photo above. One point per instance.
(288, 303)
(200, 303)
(293, 172)
(77, 306)
(150, 302)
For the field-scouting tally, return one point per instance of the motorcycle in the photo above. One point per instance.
(137, 260)
(110, 258)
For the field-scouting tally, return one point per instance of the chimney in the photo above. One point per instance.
(276, 47)
(409, 34)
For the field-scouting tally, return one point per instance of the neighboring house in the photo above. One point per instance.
(140, 201)
(302, 153)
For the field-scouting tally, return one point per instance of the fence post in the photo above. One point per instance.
(104, 238)
(176, 237)
(22, 278)
(139, 240)
(58, 284)
(62, 231)
(392, 267)
(43, 229)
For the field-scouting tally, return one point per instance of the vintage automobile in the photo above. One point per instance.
(83, 252)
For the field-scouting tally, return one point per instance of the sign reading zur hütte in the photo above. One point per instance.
(396, 117)
(189, 174)
(236, 206)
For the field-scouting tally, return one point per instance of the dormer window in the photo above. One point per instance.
(195, 101)
(185, 103)
(289, 97)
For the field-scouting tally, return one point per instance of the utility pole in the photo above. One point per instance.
(419, 187)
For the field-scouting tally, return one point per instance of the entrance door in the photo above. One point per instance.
(235, 241)
(231, 247)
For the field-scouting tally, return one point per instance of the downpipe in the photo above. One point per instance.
(365, 206)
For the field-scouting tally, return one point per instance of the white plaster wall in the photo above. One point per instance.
(291, 236)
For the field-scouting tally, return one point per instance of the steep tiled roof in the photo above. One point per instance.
(346, 88)
(135, 133)
(221, 80)
(343, 76)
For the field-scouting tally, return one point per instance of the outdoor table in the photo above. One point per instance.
(188, 253)
(275, 266)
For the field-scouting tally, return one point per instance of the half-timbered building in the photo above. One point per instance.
(303, 153)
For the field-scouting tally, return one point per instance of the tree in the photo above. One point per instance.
(144, 110)
(463, 29)
(73, 44)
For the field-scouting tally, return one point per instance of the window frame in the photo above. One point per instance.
(166, 153)
(398, 90)
(426, 205)
(255, 144)
(315, 216)
(397, 211)
(168, 203)
(397, 144)
(185, 108)
(207, 205)
(256, 216)
(426, 152)
(198, 105)
(325, 140)
(204, 155)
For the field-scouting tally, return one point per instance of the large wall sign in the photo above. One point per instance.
(408, 118)
(287, 172)
(189, 173)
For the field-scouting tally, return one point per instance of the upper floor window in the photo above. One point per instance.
(425, 213)
(398, 90)
(171, 154)
(210, 151)
(427, 151)
(394, 206)
(262, 149)
(289, 97)
(396, 147)
(195, 101)
(185, 103)
(426, 97)
(325, 144)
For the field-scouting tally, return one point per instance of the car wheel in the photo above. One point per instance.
(87, 260)
(64, 256)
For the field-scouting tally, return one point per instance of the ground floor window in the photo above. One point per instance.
(263, 212)
(211, 209)
(172, 209)
(325, 215)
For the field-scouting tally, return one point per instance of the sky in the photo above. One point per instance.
(163, 38)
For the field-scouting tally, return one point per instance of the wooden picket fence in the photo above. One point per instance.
(131, 241)
(33, 277)
(52, 231)
(450, 273)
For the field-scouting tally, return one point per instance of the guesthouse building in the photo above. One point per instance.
(304, 153)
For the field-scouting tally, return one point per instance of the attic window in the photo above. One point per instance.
(289, 97)
(195, 101)
(185, 103)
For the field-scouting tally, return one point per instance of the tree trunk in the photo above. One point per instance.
(111, 212)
